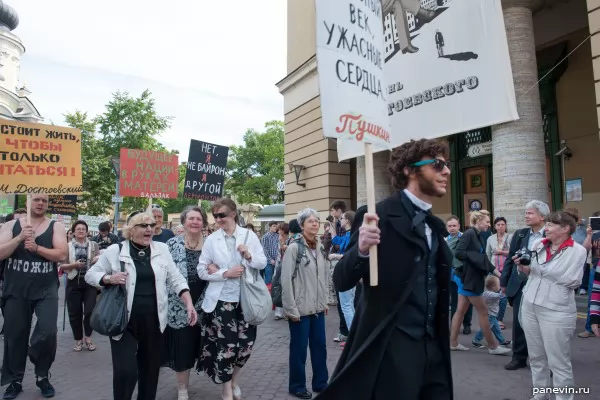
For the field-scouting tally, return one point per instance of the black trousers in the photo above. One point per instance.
(454, 304)
(17, 343)
(412, 369)
(81, 300)
(137, 356)
(518, 335)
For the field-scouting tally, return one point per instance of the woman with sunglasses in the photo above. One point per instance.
(149, 276)
(548, 309)
(227, 338)
(81, 297)
(304, 272)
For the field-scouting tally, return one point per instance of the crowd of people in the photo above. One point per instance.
(184, 291)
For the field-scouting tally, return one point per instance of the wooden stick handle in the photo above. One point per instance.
(28, 205)
(370, 175)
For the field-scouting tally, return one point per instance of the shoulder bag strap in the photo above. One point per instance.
(122, 262)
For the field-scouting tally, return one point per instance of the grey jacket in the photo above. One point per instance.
(306, 293)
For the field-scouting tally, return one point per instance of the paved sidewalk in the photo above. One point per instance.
(477, 375)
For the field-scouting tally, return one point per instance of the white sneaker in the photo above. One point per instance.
(500, 351)
(237, 393)
(182, 394)
(459, 347)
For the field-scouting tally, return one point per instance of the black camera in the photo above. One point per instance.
(524, 256)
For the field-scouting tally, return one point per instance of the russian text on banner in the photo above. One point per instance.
(350, 57)
(205, 173)
(38, 158)
(148, 173)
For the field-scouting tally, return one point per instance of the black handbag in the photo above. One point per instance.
(109, 317)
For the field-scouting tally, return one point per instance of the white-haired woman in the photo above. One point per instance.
(304, 273)
(182, 340)
(227, 338)
(149, 275)
(470, 280)
(548, 308)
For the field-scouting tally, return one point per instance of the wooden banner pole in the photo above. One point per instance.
(28, 205)
(150, 204)
(370, 175)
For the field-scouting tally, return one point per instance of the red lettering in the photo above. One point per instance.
(14, 143)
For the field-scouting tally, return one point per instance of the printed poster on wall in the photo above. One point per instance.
(205, 173)
(148, 173)
(350, 57)
(447, 69)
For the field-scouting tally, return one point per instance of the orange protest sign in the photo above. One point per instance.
(147, 173)
(38, 158)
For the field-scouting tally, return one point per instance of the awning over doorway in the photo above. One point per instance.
(275, 212)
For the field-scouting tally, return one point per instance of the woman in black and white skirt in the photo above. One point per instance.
(182, 340)
(227, 337)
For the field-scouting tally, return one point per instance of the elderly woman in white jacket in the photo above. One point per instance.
(149, 274)
(548, 308)
(228, 339)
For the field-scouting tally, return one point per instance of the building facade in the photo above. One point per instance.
(547, 154)
(14, 95)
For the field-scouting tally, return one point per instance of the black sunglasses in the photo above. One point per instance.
(144, 226)
(437, 164)
(220, 215)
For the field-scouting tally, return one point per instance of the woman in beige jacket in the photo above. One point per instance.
(304, 273)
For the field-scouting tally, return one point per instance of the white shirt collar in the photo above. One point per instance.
(417, 201)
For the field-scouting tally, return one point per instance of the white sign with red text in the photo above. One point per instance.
(350, 57)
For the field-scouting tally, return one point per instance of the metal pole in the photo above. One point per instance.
(116, 221)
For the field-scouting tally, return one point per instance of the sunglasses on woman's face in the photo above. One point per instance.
(145, 226)
(437, 164)
(219, 215)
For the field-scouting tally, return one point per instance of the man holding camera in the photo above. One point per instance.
(512, 285)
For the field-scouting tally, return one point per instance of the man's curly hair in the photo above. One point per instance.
(410, 153)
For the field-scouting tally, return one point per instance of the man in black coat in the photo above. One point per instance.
(398, 346)
(512, 284)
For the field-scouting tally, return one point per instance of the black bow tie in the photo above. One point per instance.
(419, 221)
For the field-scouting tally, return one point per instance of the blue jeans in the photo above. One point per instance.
(347, 304)
(495, 330)
(588, 321)
(502, 310)
(308, 332)
(269, 269)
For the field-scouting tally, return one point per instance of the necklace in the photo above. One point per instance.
(141, 252)
(37, 227)
(191, 246)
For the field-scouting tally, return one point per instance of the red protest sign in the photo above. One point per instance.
(147, 173)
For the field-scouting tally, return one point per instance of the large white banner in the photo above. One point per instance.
(350, 57)
(447, 69)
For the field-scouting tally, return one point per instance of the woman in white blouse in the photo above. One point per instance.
(497, 251)
(228, 339)
(548, 309)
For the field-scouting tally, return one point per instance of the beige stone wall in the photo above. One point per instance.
(577, 103)
(301, 38)
(325, 179)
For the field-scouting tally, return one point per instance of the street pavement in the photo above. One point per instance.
(477, 375)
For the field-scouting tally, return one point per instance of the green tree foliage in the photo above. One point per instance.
(98, 177)
(254, 167)
(131, 123)
(128, 122)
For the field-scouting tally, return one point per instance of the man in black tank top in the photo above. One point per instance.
(31, 252)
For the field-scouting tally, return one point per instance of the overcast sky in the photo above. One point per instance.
(211, 64)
